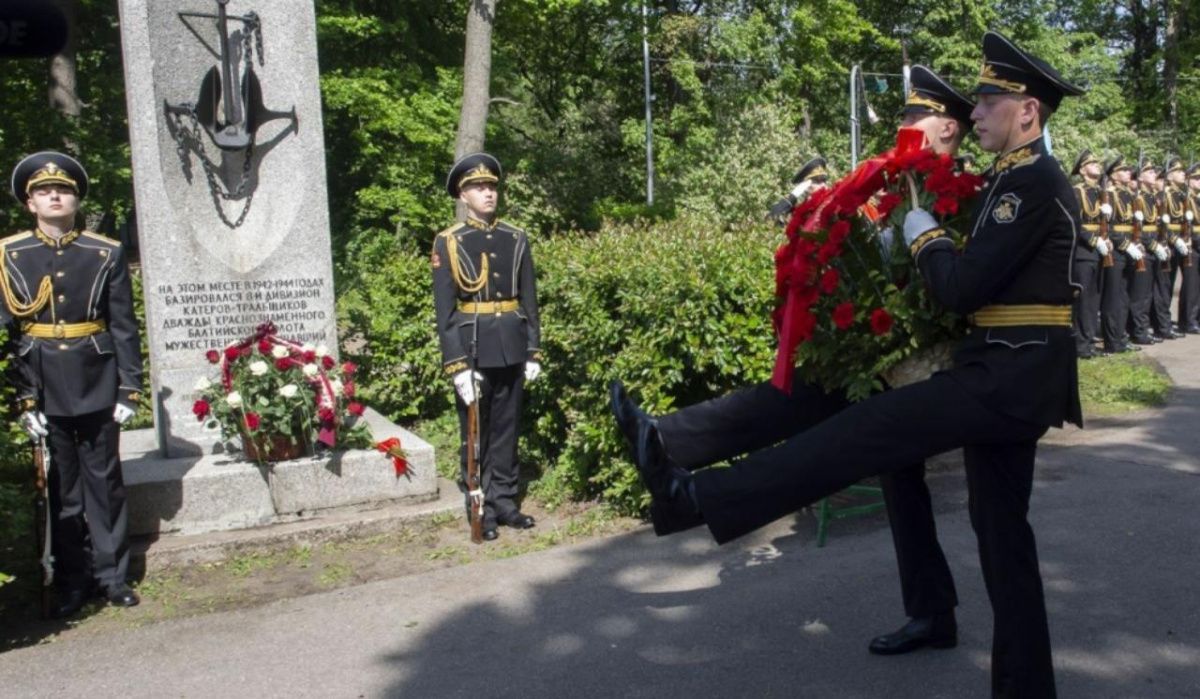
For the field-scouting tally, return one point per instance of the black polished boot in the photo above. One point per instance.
(121, 595)
(937, 631)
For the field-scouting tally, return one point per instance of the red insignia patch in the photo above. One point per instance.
(435, 260)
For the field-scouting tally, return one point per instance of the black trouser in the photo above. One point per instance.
(1114, 302)
(85, 480)
(1140, 289)
(883, 433)
(1162, 290)
(1087, 274)
(500, 395)
(759, 416)
(1189, 291)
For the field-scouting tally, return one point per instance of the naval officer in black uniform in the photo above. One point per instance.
(487, 322)
(759, 416)
(1013, 377)
(68, 306)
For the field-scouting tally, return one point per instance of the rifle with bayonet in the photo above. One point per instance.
(1136, 238)
(1108, 257)
(41, 520)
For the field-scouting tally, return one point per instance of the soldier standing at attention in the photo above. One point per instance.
(1189, 319)
(68, 307)
(1142, 289)
(1173, 207)
(1090, 249)
(487, 322)
(1118, 279)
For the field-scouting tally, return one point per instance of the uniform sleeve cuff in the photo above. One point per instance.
(453, 367)
(535, 355)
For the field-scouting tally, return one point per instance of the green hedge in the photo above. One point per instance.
(679, 310)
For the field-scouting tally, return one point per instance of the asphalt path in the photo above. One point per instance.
(1115, 509)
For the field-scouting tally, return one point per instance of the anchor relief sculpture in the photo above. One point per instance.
(229, 111)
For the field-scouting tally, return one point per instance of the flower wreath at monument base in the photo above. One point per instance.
(284, 399)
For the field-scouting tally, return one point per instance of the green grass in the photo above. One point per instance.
(1115, 384)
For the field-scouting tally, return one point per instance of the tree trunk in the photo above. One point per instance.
(63, 94)
(1172, 11)
(477, 74)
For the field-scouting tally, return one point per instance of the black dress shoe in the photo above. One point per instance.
(71, 601)
(490, 534)
(1142, 341)
(121, 596)
(937, 631)
(678, 511)
(1087, 354)
(641, 432)
(1193, 329)
(517, 520)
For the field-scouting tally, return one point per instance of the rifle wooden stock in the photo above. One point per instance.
(474, 484)
(1137, 233)
(41, 524)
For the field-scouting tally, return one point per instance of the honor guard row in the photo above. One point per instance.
(1136, 239)
(77, 368)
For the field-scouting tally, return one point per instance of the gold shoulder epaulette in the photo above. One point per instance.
(1027, 161)
(448, 231)
(509, 226)
(16, 237)
(97, 236)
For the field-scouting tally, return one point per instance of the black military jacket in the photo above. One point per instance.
(1018, 253)
(1194, 225)
(1172, 203)
(1088, 196)
(90, 277)
(1121, 226)
(497, 312)
(1147, 203)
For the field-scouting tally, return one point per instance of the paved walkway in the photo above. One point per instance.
(1115, 509)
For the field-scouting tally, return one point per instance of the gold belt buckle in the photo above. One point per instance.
(59, 331)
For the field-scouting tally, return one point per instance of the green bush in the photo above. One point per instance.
(678, 310)
(387, 329)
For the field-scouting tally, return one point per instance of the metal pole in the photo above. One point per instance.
(649, 99)
(854, 116)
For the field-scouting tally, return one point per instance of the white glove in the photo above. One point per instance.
(801, 189)
(121, 413)
(1166, 219)
(1106, 209)
(887, 238)
(1162, 253)
(532, 371)
(1134, 252)
(1139, 216)
(917, 221)
(34, 424)
(1103, 246)
(1181, 246)
(1188, 215)
(465, 386)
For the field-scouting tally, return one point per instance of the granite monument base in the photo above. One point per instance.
(214, 492)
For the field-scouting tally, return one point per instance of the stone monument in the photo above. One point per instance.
(229, 179)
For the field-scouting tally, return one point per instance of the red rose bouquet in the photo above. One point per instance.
(851, 303)
(273, 392)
